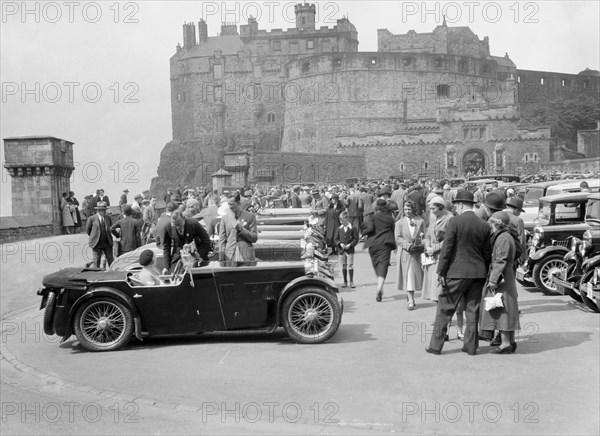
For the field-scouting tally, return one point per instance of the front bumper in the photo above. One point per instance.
(562, 285)
(523, 274)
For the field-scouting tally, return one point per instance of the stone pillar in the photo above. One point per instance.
(40, 167)
(221, 179)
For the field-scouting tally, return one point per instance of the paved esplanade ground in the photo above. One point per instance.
(373, 377)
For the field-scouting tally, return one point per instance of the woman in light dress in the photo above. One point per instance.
(408, 232)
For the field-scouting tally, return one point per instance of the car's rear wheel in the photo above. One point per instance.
(544, 270)
(311, 315)
(103, 324)
(587, 276)
(49, 314)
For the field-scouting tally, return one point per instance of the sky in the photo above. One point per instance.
(97, 73)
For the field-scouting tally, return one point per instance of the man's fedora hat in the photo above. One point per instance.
(126, 190)
(515, 202)
(464, 197)
(101, 205)
(314, 191)
(494, 201)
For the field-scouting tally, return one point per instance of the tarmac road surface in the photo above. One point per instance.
(372, 377)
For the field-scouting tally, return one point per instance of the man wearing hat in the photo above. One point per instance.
(294, 199)
(98, 229)
(399, 195)
(123, 199)
(494, 202)
(354, 207)
(462, 271)
(130, 230)
(319, 206)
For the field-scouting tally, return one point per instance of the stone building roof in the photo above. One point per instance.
(228, 45)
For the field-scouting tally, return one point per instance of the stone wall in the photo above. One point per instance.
(588, 142)
(590, 165)
(14, 229)
(540, 86)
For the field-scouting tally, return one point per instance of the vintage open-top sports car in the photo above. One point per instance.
(105, 309)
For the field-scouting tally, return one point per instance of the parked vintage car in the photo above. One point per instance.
(590, 284)
(560, 216)
(577, 260)
(105, 309)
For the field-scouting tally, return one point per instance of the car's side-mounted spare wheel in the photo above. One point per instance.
(311, 315)
(49, 314)
(103, 324)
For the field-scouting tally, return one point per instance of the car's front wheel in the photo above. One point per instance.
(103, 324)
(587, 276)
(544, 270)
(311, 315)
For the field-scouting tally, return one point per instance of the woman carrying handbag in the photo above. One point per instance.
(501, 280)
(408, 233)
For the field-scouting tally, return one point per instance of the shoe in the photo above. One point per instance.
(432, 351)
(411, 306)
(506, 350)
(513, 346)
(379, 295)
(345, 285)
(461, 336)
(446, 338)
(496, 341)
(352, 285)
(464, 350)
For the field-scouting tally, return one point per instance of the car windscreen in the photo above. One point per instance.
(532, 196)
(567, 212)
(593, 210)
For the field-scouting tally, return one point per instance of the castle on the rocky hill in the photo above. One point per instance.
(303, 105)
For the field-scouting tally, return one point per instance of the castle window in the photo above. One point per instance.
(541, 80)
(407, 61)
(276, 45)
(586, 83)
(337, 63)
(179, 96)
(439, 63)
(443, 90)
(373, 62)
(564, 82)
(305, 67)
(518, 79)
(270, 118)
(303, 20)
(462, 66)
(310, 44)
(217, 72)
(485, 69)
(257, 70)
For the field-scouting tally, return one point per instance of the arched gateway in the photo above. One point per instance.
(473, 161)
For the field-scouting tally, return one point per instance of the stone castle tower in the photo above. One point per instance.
(438, 99)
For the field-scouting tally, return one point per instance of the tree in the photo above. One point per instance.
(565, 117)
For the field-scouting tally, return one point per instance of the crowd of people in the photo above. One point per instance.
(427, 226)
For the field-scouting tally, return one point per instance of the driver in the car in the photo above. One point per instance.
(149, 273)
(183, 231)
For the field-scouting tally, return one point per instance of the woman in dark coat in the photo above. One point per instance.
(501, 279)
(72, 201)
(381, 242)
(332, 221)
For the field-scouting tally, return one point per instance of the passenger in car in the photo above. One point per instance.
(149, 273)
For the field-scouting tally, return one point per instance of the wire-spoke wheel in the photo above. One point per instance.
(103, 325)
(544, 270)
(311, 315)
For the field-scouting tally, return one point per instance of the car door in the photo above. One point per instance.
(249, 294)
(181, 308)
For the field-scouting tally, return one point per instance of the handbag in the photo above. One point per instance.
(492, 300)
(427, 259)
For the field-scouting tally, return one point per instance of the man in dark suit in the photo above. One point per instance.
(130, 231)
(294, 199)
(462, 270)
(98, 229)
(354, 207)
(183, 231)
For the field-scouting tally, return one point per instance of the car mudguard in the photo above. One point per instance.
(591, 262)
(552, 249)
(303, 281)
(571, 256)
(105, 292)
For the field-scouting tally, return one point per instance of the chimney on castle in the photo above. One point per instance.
(202, 31)
(305, 16)
(189, 35)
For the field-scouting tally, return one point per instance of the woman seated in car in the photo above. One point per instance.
(149, 273)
